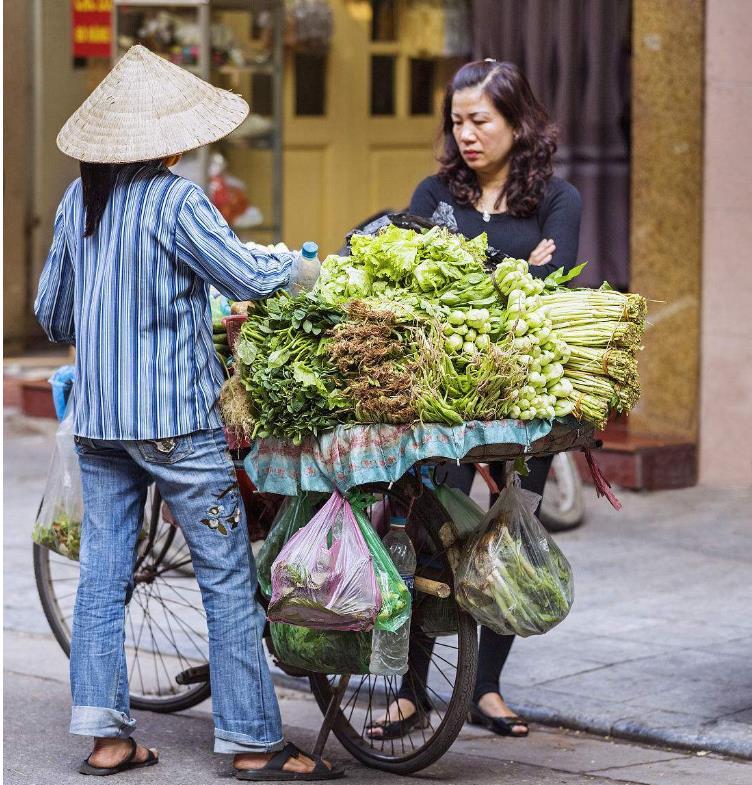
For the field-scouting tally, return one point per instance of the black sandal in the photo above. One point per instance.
(503, 726)
(125, 765)
(273, 771)
(396, 729)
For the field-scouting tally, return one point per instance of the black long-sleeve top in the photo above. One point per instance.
(557, 218)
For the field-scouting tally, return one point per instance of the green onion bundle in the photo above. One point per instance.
(567, 304)
(602, 334)
(616, 363)
(603, 330)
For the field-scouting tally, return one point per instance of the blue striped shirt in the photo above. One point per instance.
(134, 299)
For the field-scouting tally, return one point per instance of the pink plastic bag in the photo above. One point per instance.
(323, 577)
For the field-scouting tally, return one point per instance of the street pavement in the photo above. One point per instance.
(656, 649)
(39, 751)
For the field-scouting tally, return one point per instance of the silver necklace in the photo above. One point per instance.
(486, 216)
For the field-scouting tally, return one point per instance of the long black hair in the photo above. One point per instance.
(97, 181)
(531, 159)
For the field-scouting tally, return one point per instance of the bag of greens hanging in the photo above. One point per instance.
(465, 516)
(58, 523)
(323, 577)
(294, 513)
(513, 577)
(395, 596)
(322, 651)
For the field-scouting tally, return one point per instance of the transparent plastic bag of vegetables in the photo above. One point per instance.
(294, 513)
(513, 578)
(324, 576)
(395, 606)
(465, 516)
(322, 651)
(58, 523)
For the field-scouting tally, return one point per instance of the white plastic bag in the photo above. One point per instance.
(513, 577)
(58, 524)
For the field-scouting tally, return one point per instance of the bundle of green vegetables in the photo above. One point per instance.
(412, 327)
(603, 330)
(560, 335)
(292, 387)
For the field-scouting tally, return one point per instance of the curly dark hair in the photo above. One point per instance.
(531, 159)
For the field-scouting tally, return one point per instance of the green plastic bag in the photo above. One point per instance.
(294, 513)
(396, 603)
(322, 651)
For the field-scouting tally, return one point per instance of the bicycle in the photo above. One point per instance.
(167, 642)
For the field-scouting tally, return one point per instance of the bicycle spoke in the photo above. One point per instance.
(187, 630)
(184, 663)
(354, 698)
(451, 685)
(136, 660)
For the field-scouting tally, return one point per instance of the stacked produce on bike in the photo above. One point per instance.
(413, 327)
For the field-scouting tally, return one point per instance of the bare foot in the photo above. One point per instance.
(401, 710)
(108, 753)
(493, 705)
(248, 761)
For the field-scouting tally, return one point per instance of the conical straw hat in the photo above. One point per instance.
(148, 108)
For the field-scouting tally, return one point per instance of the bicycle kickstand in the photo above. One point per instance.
(329, 717)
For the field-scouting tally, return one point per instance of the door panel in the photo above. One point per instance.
(343, 166)
(393, 174)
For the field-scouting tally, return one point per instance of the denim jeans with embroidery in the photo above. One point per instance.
(196, 477)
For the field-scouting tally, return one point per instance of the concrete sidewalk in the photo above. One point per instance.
(39, 751)
(656, 648)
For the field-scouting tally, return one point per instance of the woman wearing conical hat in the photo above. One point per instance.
(127, 280)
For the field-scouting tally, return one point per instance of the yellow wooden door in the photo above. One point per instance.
(374, 140)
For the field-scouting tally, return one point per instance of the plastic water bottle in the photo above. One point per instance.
(308, 269)
(389, 650)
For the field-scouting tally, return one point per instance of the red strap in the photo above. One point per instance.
(602, 485)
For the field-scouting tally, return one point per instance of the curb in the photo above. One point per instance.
(633, 730)
(627, 729)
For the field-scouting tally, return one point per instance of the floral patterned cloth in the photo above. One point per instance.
(359, 454)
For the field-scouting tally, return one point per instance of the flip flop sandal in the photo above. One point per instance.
(125, 765)
(503, 726)
(273, 771)
(396, 729)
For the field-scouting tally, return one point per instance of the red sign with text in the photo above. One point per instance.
(92, 28)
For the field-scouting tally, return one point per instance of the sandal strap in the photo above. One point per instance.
(132, 753)
(277, 763)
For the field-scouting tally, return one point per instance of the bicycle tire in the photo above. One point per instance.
(61, 631)
(467, 662)
(563, 511)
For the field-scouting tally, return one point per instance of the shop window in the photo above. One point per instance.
(383, 20)
(382, 85)
(310, 85)
(422, 81)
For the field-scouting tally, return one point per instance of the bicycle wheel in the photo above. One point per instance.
(449, 686)
(165, 624)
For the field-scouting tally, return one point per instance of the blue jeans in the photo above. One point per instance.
(196, 477)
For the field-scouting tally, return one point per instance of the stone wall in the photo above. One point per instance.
(666, 210)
